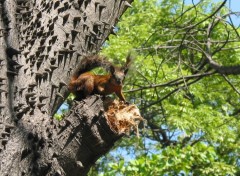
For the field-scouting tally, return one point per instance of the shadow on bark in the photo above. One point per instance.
(87, 132)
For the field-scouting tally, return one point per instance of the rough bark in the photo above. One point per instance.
(41, 42)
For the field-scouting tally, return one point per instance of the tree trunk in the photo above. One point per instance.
(41, 42)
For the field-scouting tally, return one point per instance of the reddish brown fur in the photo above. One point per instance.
(88, 83)
(83, 83)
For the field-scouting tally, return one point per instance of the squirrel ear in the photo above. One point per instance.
(129, 60)
(112, 69)
(125, 71)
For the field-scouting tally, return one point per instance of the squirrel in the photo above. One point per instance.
(84, 83)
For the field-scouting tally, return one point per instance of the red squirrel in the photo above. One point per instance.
(84, 83)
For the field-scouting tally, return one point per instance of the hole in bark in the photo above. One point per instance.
(76, 21)
(49, 135)
(25, 153)
(35, 168)
(74, 35)
(57, 3)
(49, 49)
(51, 27)
(31, 112)
(54, 38)
(65, 19)
(60, 59)
(35, 138)
(66, 5)
(44, 169)
(47, 6)
(30, 136)
(4, 142)
(34, 147)
(86, 4)
(101, 8)
(95, 29)
(80, 2)
(56, 174)
(7, 130)
(60, 9)
(36, 156)
(38, 65)
(41, 143)
(53, 61)
(65, 43)
(42, 41)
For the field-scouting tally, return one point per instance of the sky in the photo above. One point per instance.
(233, 4)
(235, 7)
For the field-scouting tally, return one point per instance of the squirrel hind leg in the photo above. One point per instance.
(83, 92)
(88, 87)
(78, 97)
(83, 87)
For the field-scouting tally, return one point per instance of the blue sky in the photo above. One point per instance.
(234, 5)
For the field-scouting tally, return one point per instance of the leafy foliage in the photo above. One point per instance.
(190, 104)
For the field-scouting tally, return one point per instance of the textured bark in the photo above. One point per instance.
(41, 42)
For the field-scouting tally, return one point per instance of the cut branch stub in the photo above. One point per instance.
(121, 117)
(90, 130)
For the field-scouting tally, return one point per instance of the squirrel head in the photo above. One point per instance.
(118, 75)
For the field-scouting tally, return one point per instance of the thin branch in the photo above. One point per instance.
(144, 77)
(228, 81)
(219, 68)
(171, 83)
(169, 94)
(208, 17)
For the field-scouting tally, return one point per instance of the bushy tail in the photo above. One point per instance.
(90, 62)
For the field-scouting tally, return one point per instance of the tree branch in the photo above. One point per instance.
(227, 70)
(175, 82)
(233, 87)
